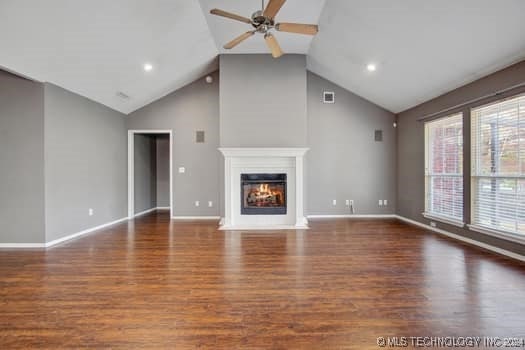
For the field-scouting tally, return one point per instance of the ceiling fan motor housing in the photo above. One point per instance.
(262, 23)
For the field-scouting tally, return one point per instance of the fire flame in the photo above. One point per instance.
(264, 188)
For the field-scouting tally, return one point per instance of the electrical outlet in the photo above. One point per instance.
(197, 203)
(91, 212)
(334, 202)
(347, 202)
(385, 202)
(380, 202)
(210, 204)
(182, 170)
(433, 224)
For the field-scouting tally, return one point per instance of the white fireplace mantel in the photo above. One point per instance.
(271, 160)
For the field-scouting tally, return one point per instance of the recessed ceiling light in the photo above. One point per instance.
(371, 67)
(148, 67)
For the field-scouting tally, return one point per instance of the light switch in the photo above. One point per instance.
(182, 170)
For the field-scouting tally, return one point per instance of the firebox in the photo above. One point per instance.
(263, 194)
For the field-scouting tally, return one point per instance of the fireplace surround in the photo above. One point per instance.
(263, 188)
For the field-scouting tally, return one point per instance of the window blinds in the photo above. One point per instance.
(444, 167)
(498, 165)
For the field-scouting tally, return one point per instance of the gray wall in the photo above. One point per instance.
(194, 107)
(344, 161)
(163, 171)
(145, 172)
(410, 149)
(263, 101)
(85, 163)
(21, 160)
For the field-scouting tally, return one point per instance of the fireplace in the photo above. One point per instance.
(249, 170)
(263, 194)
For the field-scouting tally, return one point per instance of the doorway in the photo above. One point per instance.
(150, 171)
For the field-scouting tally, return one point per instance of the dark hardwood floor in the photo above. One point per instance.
(152, 283)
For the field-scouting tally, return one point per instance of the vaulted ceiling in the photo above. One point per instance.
(97, 48)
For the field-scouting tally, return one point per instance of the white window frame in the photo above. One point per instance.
(459, 222)
(476, 175)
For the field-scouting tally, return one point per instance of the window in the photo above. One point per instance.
(498, 166)
(444, 169)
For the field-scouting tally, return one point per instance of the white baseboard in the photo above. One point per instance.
(464, 239)
(22, 245)
(261, 228)
(354, 216)
(195, 218)
(145, 212)
(163, 208)
(89, 230)
(59, 240)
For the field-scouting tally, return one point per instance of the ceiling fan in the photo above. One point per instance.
(264, 21)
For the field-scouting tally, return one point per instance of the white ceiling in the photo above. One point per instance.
(98, 47)
(423, 48)
(224, 30)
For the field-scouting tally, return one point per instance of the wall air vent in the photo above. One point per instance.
(199, 136)
(378, 135)
(122, 95)
(328, 97)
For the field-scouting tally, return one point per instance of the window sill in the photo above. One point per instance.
(498, 234)
(444, 220)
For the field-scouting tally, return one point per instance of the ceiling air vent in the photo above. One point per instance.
(328, 97)
(123, 95)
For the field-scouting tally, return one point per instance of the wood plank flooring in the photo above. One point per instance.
(155, 284)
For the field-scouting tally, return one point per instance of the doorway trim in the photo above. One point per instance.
(131, 167)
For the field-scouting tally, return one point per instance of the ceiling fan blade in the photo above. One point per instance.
(299, 28)
(230, 15)
(238, 40)
(273, 7)
(273, 45)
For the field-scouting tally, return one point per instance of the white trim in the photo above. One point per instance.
(496, 233)
(131, 167)
(301, 222)
(457, 223)
(131, 174)
(60, 240)
(465, 239)
(81, 233)
(263, 152)
(145, 212)
(261, 228)
(196, 218)
(21, 245)
(354, 216)
(163, 208)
